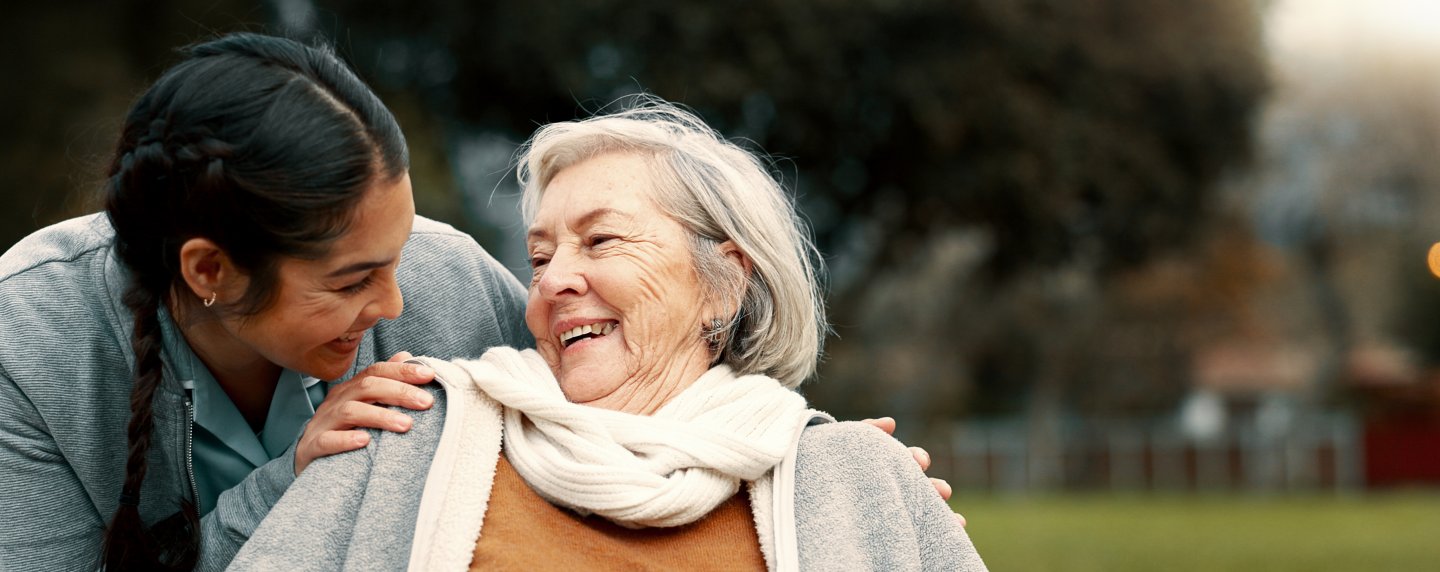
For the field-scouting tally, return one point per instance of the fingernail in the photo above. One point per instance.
(362, 439)
(424, 399)
(924, 453)
(401, 423)
(424, 371)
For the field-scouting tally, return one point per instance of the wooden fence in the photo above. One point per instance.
(1322, 454)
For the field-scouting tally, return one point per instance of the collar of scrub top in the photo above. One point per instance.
(290, 408)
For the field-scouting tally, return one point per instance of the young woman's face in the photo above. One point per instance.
(323, 307)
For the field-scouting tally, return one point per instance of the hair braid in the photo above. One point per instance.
(129, 544)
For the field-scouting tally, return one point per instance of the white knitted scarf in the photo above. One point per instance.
(667, 469)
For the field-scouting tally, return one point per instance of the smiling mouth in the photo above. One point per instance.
(569, 337)
(349, 336)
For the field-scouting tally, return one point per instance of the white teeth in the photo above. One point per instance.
(577, 331)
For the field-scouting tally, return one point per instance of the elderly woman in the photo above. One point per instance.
(675, 306)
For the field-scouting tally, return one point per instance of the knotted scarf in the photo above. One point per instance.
(666, 469)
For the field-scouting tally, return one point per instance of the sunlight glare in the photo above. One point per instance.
(1326, 28)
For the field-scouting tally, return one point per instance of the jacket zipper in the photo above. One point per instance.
(190, 452)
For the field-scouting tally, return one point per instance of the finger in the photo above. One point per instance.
(332, 442)
(374, 389)
(922, 457)
(326, 444)
(942, 487)
(885, 424)
(407, 372)
(961, 518)
(357, 414)
(402, 356)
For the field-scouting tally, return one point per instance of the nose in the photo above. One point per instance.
(562, 276)
(389, 302)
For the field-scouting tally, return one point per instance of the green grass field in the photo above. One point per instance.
(1371, 532)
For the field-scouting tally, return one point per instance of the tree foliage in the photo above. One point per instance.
(1055, 126)
(975, 170)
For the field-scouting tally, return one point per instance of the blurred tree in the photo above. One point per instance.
(1347, 179)
(70, 75)
(1037, 147)
(1058, 127)
(980, 173)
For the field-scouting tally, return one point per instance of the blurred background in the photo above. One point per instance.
(1148, 278)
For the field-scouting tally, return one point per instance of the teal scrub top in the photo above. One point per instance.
(225, 449)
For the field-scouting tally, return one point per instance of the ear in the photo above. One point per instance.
(737, 257)
(208, 270)
(734, 255)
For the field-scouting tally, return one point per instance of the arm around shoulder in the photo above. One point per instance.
(861, 501)
(239, 511)
(366, 498)
(311, 525)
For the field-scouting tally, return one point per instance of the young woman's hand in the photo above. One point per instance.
(922, 458)
(359, 403)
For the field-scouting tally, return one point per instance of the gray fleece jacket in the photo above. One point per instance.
(847, 498)
(65, 376)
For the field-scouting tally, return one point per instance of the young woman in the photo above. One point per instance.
(158, 360)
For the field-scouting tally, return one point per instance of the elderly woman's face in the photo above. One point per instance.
(615, 302)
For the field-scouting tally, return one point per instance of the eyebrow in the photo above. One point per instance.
(359, 266)
(537, 233)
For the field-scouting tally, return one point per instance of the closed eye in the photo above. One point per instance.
(599, 239)
(360, 286)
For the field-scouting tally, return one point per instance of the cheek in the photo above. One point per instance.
(334, 323)
(535, 313)
(658, 302)
(320, 319)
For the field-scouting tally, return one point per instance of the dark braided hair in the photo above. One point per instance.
(262, 145)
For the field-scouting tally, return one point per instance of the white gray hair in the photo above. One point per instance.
(718, 191)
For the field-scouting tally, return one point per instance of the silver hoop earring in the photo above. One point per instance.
(211, 301)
